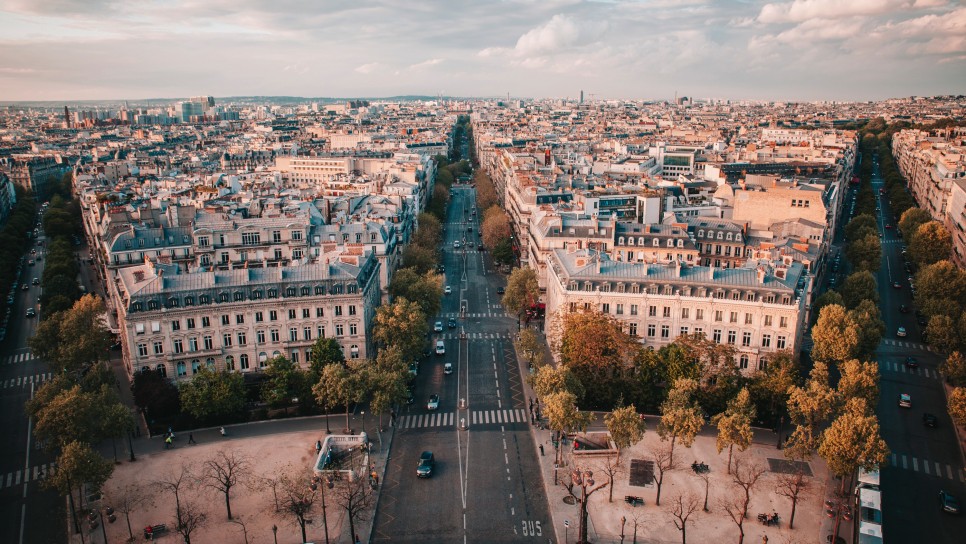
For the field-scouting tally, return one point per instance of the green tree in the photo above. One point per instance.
(734, 424)
(626, 427)
(835, 335)
(853, 441)
(859, 380)
(78, 465)
(522, 290)
(942, 334)
(870, 327)
(73, 415)
(425, 289)
(75, 339)
(861, 226)
(563, 416)
(954, 369)
(770, 385)
(827, 298)
(285, 381)
(957, 405)
(341, 385)
(530, 344)
(865, 253)
(599, 353)
(401, 324)
(430, 232)
(941, 289)
(911, 220)
(809, 407)
(931, 243)
(681, 416)
(858, 287)
(549, 380)
(325, 351)
(420, 259)
(212, 396)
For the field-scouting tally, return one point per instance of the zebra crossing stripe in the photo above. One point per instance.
(904, 465)
(915, 464)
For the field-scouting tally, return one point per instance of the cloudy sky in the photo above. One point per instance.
(738, 49)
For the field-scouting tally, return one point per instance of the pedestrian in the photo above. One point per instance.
(541, 449)
(167, 442)
(191, 439)
(764, 539)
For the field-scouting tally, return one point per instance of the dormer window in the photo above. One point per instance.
(640, 241)
(620, 240)
(700, 234)
(670, 242)
(738, 237)
(729, 236)
(680, 243)
(657, 243)
(719, 234)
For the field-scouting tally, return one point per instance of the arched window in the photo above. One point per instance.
(181, 369)
(210, 363)
(162, 370)
(719, 234)
(670, 242)
(743, 362)
(657, 243)
(230, 363)
(728, 237)
(195, 366)
(243, 361)
(680, 243)
(762, 363)
(620, 241)
(700, 234)
(640, 241)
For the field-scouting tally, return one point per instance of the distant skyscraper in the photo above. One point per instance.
(581, 96)
(67, 116)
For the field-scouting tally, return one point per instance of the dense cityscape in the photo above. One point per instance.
(596, 272)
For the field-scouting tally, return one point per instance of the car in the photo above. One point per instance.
(912, 362)
(33, 251)
(448, 290)
(456, 244)
(921, 320)
(424, 468)
(31, 312)
(901, 333)
(903, 309)
(929, 420)
(448, 368)
(441, 269)
(438, 326)
(451, 323)
(905, 400)
(414, 368)
(469, 229)
(500, 290)
(433, 403)
(440, 348)
(25, 287)
(35, 281)
(480, 247)
(30, 262)
(889, 225)
(897, 285)
(949, 503)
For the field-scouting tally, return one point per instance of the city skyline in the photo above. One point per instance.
(800, 50)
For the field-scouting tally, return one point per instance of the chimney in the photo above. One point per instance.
(760, 274)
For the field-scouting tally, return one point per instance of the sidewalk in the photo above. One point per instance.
(272, 448)
(612, 522)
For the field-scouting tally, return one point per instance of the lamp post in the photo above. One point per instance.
(363, 421)
(275, 533)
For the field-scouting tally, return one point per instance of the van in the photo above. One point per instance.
(440, 348)
(448, 368)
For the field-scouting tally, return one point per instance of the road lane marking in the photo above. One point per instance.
(915, 464)
(893, 459)
(904, 465)
(939, 471)
(925, 466)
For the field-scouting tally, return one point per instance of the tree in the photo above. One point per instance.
(78, 465)
(852, 441)
(74, 339)
(177, 483)
(835, 335)
(583, 479)
(682, 507)
(155, 395)
(770, 385)
(562, 413)
(681, 417)
(931, 243)
(595, 348)
(211, 396)
(426, 289)
(401, 324)
(356, 498)
(495, 227)
(860, 226)
(664, 462)
(865, 253)
(116, 421)
(744, 477)
(957, 405)
(954, 369)
(430, 232)
(522, 290)
(297, 498)
(72, 415)
(809, 407)
(794, 486)
(612, 466)
(284, 381)
(826, 299)
(188, 518)
(420, 259)
(485, 190)
(531, 346)
(734, 424)
(941, 289)
(911, 220)
(626, 427)
(942, 334)
(225, 470)
(549, 380)
(858, 287)
(859, 380)
(340, 385)
(870, 327)
(129, 498)
(325, 351)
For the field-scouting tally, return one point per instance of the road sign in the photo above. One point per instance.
(566, 523)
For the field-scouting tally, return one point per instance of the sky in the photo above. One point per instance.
(611, 49)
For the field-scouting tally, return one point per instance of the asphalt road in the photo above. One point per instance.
(923, 460)
(28, 513)
(486, 486)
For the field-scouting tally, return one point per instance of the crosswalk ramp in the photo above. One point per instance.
(22, 381)
(33, 474)
(16, 358)
(901, 368)
(927, 467)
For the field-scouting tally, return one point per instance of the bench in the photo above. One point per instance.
(153, 530)
(634, 501)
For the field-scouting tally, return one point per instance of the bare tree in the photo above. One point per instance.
(706, 476)
(682, 507)
(356, 497)
(130, 498)
(273, 482)
(176, 483)
(745, 476)
(237, 520)
(188, 518)
(664, 462)
(297, 497)
(794, 486)
(612, 467)
(225, 470)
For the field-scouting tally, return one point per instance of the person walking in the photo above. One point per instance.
(167, 442)
(191, 438)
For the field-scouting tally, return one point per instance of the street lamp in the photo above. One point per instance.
(363, 421)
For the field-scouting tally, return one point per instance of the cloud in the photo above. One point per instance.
(425, 64)
(803, 10)
(561, 32)
(369, 68)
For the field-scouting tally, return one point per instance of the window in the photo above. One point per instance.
(158, 347)
(155, 326)
(665, 331)
(768, 321)
(260, 337)
(259, 317)
(338, 310)
(780, 343)
(203, 241)
(296, 235)
(182, 369)
(716, 336)
(339, 331)
(651, 330)
(242, 339)
(176, 325)
(293, 334)
(684, 331)
(685, 312)
(306, 333)
(238, 296)
(353, 330)
(320, 312)
(718, 315)
(273, 293)
(230, 363)
(743, 362)
(632, 329)
(296, 253)
(699, 331)
(652, 311)
(272, 315)
(276, 236)
(178, 345)
(142, 350)
(275, 336)
(205, 321)
(620, 309)
(305, 313)
(783, 322)
(243, 361)
(353, 351)
(291, 313)
(226, 339)
(195, 366)
(225, 320)
(352, 310)
(699, 314)
(633, 309)
(731, 337)
(746, 339)
(766, 340)
(190, 322)
(605, 308)
(748, 319)
(251, 238)
(209, 342)
(240, 319)
(733, 317)
(762, 363)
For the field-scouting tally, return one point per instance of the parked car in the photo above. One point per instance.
(424, 468)
(949, 503)
(433, 403)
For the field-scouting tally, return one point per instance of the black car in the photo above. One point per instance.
(903, 309)
(424, 469)
(452, 323)
(500, 290)
(929, 420)
(948, 503)
(912, 362)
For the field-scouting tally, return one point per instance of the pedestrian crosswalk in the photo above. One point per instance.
(927, 467)
(474, 336)
(448, 419)
(35, 473)
(457, 315)
(24, 357)
(21, 381)
(905, 344)
(893, 366)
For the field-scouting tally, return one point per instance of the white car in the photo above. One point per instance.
(448, 368)
(433, 403)
(438, 326)
(901, 333)
(440, 348)
(448, 290)
(456, 244)
(905, 400)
